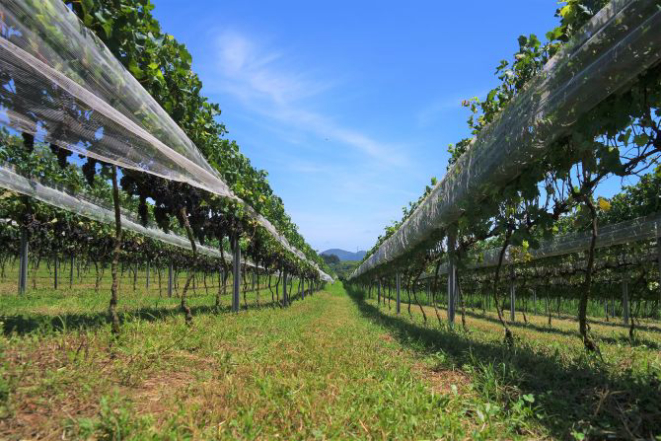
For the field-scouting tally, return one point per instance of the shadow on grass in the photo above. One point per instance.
(613, 323)
(623, 339)
(29, 323)
(607, 402)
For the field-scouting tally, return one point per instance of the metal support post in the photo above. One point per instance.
(23, 262)
(170, 279)
(72, 262)
(625, 301)
(285, 300)
(56, 267)
(236, 273)
(512, 293)
(452, 278)
(378, 291)
(399, 299)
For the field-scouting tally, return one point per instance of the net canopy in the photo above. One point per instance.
(612, 50)
(60, 83)
(636, 230)
(95, 210)
(98, 210)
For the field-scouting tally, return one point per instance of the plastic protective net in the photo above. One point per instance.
(636, 230)
(99, 211)
(622, 41)
(59, 82)
(62, 84)
(95, 210)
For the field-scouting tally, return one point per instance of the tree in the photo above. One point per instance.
(330, 259)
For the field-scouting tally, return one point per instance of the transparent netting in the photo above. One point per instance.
(636, 230)
(613, 49)
(59, 82)
(96, 210)
(62, 84)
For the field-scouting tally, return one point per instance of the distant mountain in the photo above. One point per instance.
(345, 255)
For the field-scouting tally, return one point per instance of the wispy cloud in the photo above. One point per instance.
(268, 83)
(340, 183)
(251, 73)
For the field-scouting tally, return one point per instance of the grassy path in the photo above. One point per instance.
(547, 383)
(334, 366)
(318, 370)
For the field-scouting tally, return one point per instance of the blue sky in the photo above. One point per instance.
(349, 106)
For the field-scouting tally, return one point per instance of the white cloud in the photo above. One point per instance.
(266, 83)
(340, 184)
(250, 73)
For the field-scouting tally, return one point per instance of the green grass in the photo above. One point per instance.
(576, 395)
(333, 366)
